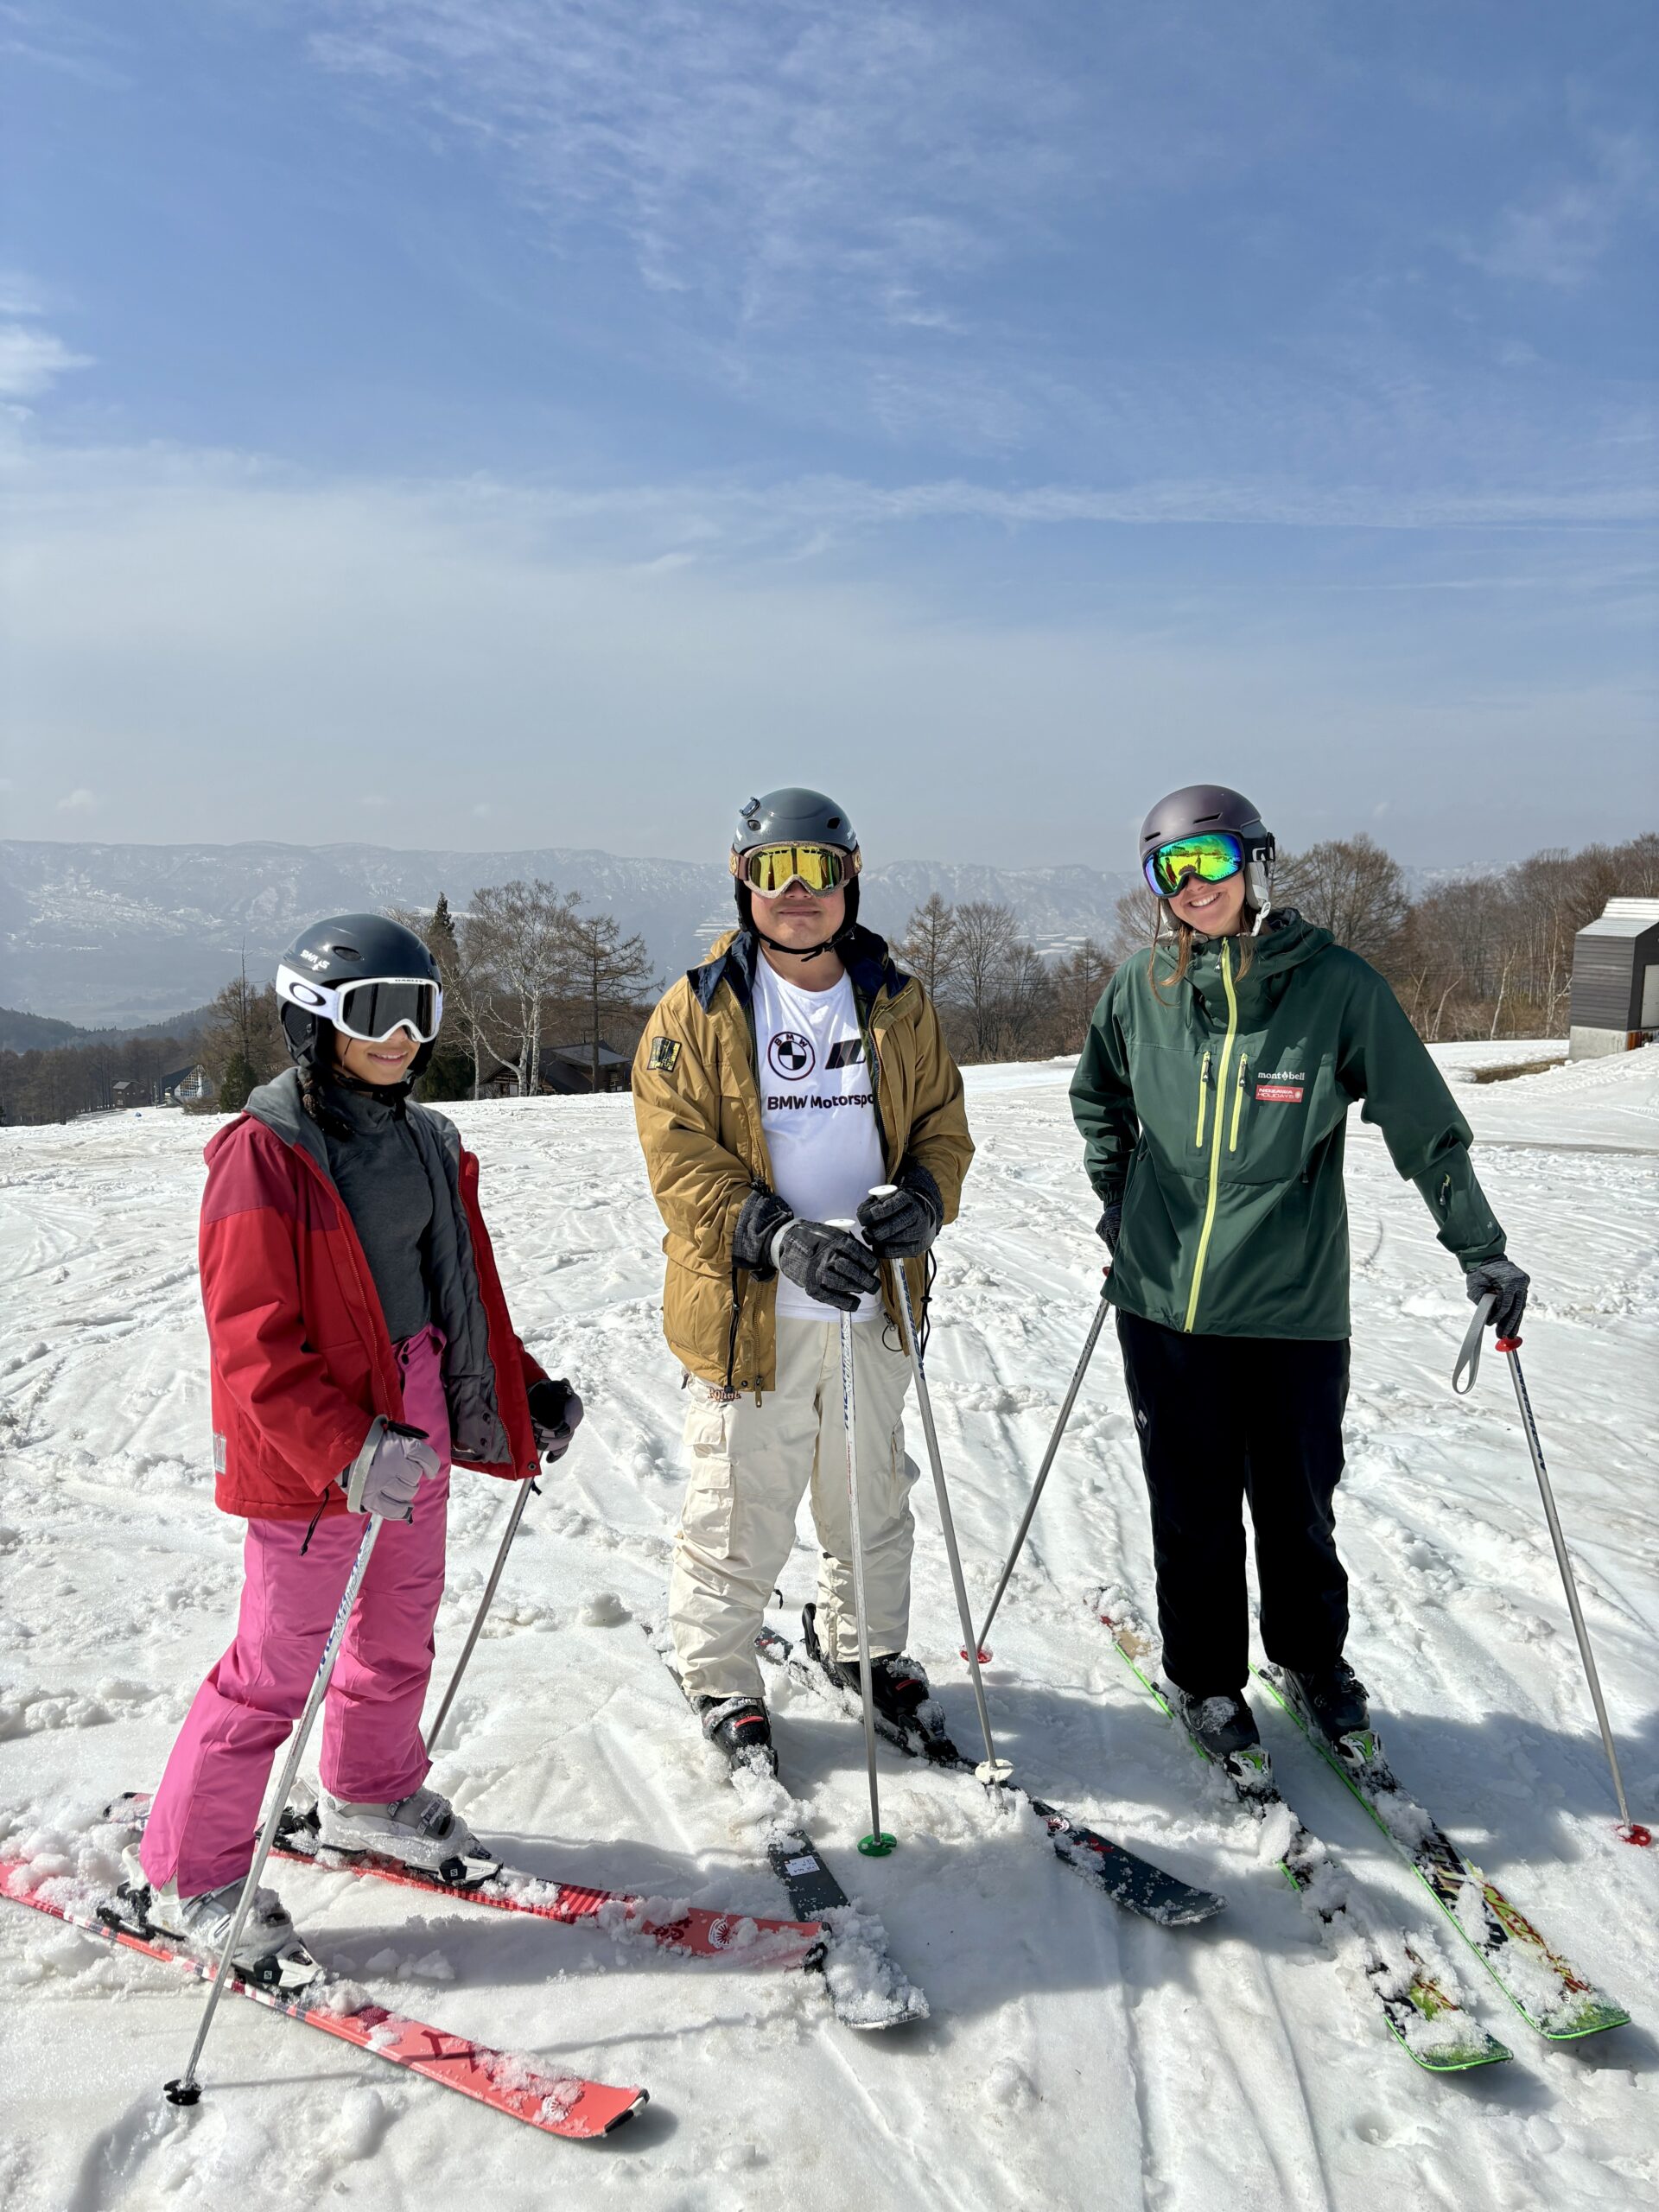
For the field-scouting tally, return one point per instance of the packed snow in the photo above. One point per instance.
(1073, 2056)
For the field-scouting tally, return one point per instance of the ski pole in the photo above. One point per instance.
(981, 1656)
(1628, 1831)
(995, 1772)
(187, 2090)
(878, 1843)
(513, 1518)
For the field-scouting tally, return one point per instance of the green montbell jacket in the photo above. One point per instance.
(1215, 1110)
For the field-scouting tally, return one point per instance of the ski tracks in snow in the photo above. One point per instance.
(1075, 2056)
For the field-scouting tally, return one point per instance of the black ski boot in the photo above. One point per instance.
(740, 1730)
(1224, 1725)
(1334, 1696)
(899, 1688)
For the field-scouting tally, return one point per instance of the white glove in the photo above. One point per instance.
(387, 1473)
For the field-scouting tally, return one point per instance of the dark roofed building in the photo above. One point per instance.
(1615, 1004)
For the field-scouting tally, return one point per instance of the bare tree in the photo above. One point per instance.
(242, 1041)
(1077, 983)
(611, 972)
(1137, 919)
(519, 942)
(928, 945)
(1349, 886)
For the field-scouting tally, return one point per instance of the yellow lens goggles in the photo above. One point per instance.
(769, 869)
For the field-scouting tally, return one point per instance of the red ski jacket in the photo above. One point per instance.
(301, 1357)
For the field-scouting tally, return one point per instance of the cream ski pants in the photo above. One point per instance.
(749, 1466)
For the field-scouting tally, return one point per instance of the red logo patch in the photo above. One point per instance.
(1279, 1094)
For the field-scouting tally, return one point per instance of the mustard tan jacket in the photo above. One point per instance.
(696, 1098)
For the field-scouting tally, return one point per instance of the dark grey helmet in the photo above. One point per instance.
(347, 949)
(793, 816)
(1196, 809)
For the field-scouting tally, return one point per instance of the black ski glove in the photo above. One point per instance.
(903, 1222)
(1110, 1226)
(1507, 1284)
(828, 1263)
(555, 1414)
(764, 1214)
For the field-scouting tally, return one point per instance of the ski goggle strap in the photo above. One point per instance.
(769, 869)
(371, 1009)
(1212, 858)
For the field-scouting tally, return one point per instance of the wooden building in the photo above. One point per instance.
(1614, 1002)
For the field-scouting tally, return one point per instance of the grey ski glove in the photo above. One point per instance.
(1110, 1224)
(901, 1223)
(764, 1214)
(828, 1263)
(396, 1459)
(1507, 1284)
(556, 1415)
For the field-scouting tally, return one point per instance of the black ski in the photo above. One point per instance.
(867, 1986)
(1129, 1881)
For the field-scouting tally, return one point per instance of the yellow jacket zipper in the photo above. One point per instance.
(1215, 1148)
(1238, 1103)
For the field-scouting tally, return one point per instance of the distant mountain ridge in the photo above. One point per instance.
(109, 934)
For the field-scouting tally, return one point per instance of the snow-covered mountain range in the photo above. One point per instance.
(98, 934)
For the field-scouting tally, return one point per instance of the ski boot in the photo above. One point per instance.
(1224, 1725)
(1334, 1696)
(899, 1688)
(739, 1731)
(268, 1951)
(422, 1832)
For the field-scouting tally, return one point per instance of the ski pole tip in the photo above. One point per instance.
(182, 2092)
(995, 1774)
(984, 1655)
(877, 1846)
(1633, 1832)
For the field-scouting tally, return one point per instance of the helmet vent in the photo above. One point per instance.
(345, 951)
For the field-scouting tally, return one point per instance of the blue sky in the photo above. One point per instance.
(519, 422)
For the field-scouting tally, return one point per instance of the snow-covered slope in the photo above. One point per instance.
(1075, 2057)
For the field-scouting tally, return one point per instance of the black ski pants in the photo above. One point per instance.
(1221, 1420)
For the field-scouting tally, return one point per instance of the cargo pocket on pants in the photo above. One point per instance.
(706, 1514)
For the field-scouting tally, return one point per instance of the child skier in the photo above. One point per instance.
(358, 1340)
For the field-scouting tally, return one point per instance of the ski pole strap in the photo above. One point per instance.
(1469, 1354)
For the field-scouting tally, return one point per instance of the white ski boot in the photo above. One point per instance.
(422, 1832)
(268, 1951)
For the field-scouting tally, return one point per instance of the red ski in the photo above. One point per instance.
(558, 2104)
(736, 1937)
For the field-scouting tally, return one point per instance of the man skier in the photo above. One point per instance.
(777, 1084)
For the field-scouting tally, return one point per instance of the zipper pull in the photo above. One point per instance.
(1238, 1104)
(1204, 1097)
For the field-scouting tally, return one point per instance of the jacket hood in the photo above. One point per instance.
(278, 1104)
(1287, 942)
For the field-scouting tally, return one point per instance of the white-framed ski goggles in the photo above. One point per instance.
(371, 1007)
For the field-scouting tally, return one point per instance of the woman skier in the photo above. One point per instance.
(358, 1340)
(1212, 1094)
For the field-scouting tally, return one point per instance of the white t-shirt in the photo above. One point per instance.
(817, 1107)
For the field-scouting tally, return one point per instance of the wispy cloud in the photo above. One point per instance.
(1560, 234)
(32, 360)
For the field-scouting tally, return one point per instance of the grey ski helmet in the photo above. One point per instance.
(1197, 808)
(795, 816)
(346, 949)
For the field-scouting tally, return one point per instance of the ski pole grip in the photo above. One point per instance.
(1469, 1352)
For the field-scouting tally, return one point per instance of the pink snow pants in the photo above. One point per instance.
(205, 1820)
